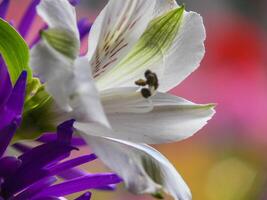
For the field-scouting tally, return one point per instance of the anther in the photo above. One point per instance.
(150, 85)
(141, 82)
(146, 93)
(152, 80)
(147, 72)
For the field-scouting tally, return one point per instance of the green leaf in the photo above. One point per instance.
(62, 41)
(15, 51)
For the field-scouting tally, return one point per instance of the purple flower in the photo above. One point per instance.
(34, 173)
(11, 105)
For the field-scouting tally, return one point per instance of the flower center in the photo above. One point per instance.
(150, 85)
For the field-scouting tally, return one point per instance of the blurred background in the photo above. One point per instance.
(227, 160)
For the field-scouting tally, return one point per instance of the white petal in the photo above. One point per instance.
(186, 53)
(163, 6)
(70, 83)
(165, 119)
(53, 58)
(115, 31)
(173, 65)
(148, 53)
(83, 95)
(143, 169)
(53, 69)
(58, 14)
(124, 100)
(170, 119)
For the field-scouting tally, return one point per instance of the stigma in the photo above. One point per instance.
(149, 85)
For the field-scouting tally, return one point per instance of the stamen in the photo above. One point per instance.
(146, 93)
(151, 82)
(147, 73)
(141, 82)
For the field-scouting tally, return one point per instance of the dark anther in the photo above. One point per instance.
(150, 85)
(140, 82)
(152, 80)
(147, 73)
(146, 93)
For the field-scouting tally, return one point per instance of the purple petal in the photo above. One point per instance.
(3, 8)
(47, 198)
(13, 108)
(75, 173)
(81, 184)
(45, 154)
(49, 137)
(21, 180)
(33, 162)
(85, 196)
(74, 2)
(65, 131)
(28, 18)
(35, 188)
(84, 28)
(6, 135)
(8, 166)
(72, 173)
(5, 82)
(21, 147)
(71, 164)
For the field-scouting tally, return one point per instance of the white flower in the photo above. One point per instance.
(99, 91)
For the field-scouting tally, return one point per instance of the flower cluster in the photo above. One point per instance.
(117, 93)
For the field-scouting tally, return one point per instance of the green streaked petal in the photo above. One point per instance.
(41, 117)
(157, 38)
(158, 195)
(149, 50)
(134, 163)
(152, 169)
(36, 95)
(63, 41)
(14, 51)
